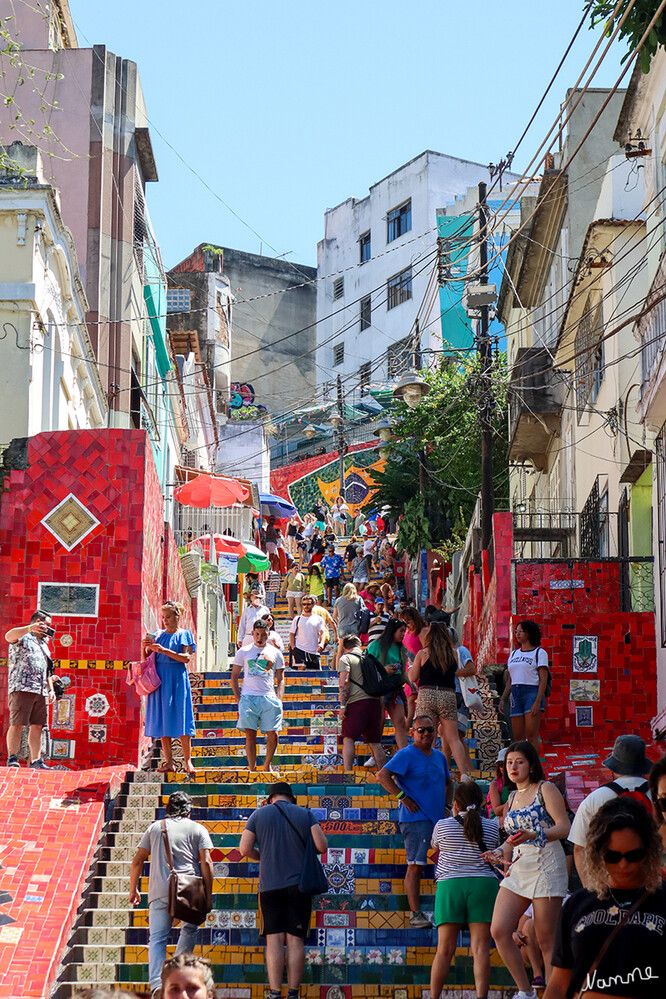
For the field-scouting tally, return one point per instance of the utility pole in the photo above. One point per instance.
(485, 355)
(341, 440)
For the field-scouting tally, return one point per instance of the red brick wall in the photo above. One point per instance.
(112, 473)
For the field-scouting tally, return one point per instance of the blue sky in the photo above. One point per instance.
(286, 109)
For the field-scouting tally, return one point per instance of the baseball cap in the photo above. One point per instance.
(501, 756)
(281, 787)
(379, 600)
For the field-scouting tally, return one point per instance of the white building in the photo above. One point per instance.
(49, 378)
(375, 263)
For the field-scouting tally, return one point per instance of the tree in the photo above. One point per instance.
(413, 529)
(638, 18)
(444, 435)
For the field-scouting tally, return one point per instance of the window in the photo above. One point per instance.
(399, 356)
(140, 229)
(364, 378)
(178, 299)
(364, 244)
(399, 221)
(366, 310)
(589, 350)
(339, 353)
(63, 599)
(338, 288)
(399, 288)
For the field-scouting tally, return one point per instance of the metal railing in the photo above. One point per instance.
(565, 534)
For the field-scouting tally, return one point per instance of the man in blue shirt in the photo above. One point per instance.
(332, 565)
(418, 776)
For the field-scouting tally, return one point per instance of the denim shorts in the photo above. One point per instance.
(260, 711)
(523, 696)
(417, 836)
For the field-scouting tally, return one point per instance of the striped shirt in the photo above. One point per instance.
(458, 858)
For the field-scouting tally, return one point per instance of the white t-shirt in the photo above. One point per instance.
(258, 668)
(590, 806)
(309, 630)
(523, 666)
(248, 617)
(368, 546)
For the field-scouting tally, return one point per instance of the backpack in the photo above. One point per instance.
(639, 793)
(549, 681)
(376, 680)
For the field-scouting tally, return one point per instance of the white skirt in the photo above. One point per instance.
(538, 872)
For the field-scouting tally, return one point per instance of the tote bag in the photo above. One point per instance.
(144, 676)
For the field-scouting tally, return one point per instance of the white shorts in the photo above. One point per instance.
(295, 594)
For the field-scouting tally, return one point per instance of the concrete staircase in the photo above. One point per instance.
(359, 944)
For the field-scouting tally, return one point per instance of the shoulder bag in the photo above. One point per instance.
(624, 919)
(188, 898)
(313, 880)
(469, 688)
(144, 675)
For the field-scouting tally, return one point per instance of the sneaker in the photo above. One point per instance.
(38, 765)
(12, 761)
(525, 995)
(419, 921)
(370, 762)
(539, 980)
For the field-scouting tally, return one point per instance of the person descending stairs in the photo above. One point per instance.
(360, 943)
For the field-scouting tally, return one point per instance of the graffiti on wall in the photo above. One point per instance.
(242, 396)
(325, 482)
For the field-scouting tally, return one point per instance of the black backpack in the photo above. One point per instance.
(549, 682)
(376, 680)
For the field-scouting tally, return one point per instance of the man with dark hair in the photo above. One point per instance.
(29, 686)
(276, 836)
(190, 845)
(332, 564)
(418, 776)
(361, 715)
(259, 702)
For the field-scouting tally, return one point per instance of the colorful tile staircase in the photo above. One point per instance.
(360, 943)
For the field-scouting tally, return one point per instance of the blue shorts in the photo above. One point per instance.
(523, 696)
(417, 836)
(260, 711)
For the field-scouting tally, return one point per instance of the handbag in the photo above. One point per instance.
(469, 687)
(144, 675)
(313, 880)
(188, 897)
(624, 919)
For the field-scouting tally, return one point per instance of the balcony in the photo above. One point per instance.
(536, 395)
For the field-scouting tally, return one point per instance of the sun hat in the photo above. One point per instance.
(628, 757)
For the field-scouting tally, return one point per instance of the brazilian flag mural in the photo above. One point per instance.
(325, 482)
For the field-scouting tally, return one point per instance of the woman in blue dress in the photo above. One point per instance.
(169, 712)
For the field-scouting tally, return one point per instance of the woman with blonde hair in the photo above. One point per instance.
(169, 711)
(347, 613)
(434, 670)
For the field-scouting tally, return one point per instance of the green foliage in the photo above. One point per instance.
(414, 530)
(634, 27)
(444, 433)
(456, 539)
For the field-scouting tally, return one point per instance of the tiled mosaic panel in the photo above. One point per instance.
(112, 473)
(50, 827)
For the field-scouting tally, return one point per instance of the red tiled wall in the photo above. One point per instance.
(174, 582)
(627, 650)
(112, 473)
(50, 828)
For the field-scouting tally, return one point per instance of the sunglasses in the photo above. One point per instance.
(661, 804)
(631, 856)
(423, 729)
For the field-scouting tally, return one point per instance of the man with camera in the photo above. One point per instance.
(30, 686)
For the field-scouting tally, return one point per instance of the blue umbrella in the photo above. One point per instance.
(276, 506)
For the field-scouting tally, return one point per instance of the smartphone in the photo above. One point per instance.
(50, 632)
(514, 837)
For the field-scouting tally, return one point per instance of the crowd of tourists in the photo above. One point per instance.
(573, 902)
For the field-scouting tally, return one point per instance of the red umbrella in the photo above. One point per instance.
(211, 490)
(224, 545)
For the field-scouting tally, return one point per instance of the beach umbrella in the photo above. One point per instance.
(276, 506)
(211, 490)
(254, 560)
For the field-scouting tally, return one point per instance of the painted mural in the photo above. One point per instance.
(242, 397)
(325, 481)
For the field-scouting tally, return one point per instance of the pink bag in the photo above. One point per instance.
(144, 675)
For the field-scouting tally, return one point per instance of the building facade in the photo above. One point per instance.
(375, 262)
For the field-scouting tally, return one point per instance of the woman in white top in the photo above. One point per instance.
(466, 885)
(525, 683)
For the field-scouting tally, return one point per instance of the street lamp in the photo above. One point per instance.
(335, 420)
(383, 430)
(411, 389)
(309, 433)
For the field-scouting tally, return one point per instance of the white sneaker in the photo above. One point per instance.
(370, 762)
(525, 995)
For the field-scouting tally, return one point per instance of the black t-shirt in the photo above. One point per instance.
(317, 545)
(350, 552)
(635, 963)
